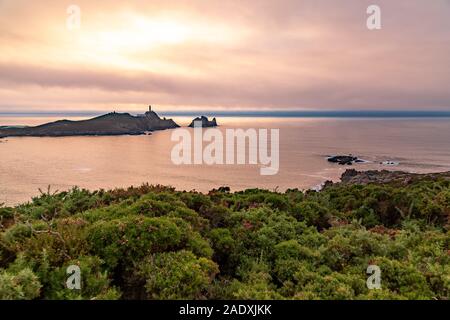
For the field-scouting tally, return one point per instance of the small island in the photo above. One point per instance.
(205, 122)
(105, 125)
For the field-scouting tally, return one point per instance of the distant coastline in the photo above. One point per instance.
(319, 114)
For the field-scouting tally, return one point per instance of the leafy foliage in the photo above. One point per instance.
(153, 242)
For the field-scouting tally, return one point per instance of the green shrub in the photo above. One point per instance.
(131, 238)
(23, 285)
(177, 275)
(312, 213)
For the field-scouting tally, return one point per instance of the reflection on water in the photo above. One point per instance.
(26, 164)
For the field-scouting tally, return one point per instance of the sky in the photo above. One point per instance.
(224, 55)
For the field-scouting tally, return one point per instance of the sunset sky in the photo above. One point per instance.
(234, 54)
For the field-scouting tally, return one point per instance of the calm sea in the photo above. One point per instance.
(27, 164)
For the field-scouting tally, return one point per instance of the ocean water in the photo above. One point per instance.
(27, 163)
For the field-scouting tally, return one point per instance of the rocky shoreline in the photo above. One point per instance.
(354, 177)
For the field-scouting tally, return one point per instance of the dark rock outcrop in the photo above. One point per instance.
(105, 125)
(204, 122)
(349, 160)
(342, 159)
(351, 176)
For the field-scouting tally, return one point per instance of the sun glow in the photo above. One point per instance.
(132, 37)
(141, 34)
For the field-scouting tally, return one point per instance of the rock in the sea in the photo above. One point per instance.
(390, 163)
(204, 122)
(349, 160)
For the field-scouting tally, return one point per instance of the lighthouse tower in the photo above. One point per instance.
(151, 114)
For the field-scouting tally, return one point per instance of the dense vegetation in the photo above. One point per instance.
(153, 242)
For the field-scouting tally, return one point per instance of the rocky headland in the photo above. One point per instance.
(106, 125)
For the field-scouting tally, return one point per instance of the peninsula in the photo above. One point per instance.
(106, 125)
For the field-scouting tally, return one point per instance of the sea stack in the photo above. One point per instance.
(204, 122)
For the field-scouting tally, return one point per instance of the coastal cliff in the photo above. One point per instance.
(109, 124)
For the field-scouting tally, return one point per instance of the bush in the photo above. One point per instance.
(23, 285)
(312, 213)
(177, 275)
(132, 238)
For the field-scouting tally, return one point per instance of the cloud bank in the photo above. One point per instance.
(224, 54)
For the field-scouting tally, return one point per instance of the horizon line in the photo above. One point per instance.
(253, 113)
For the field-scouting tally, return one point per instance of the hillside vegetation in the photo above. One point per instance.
(152, 242)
